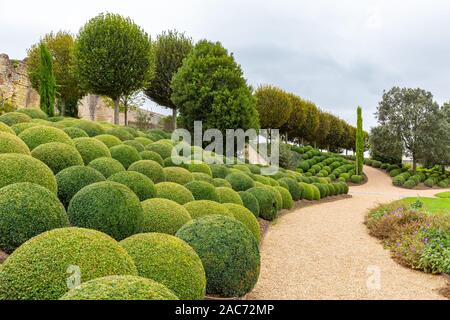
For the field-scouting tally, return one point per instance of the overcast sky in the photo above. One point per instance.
(337, 54)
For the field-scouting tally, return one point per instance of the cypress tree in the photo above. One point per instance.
(47, 84)
(359, 143)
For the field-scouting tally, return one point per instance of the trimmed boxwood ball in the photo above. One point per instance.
(15, 168)
(219, 170)
(227, 195)
(73, 179)
(267, 202)
(120, 288)
(151, 155)
(245, 216)
(139, 147)
(293, 187)
(140, 184)
(90, 127)
(174, 192)
(240, 181)
(13, 118)
(10, 143)
(331, 189)
(197, 166)
(357, 179)
(58, 156)
(308, 192)
(250, 202)
(26, 210)
(5, 128)
(277, 195)
(34, 113)
(164, 216)
(74, 133)
(322, 189)
(288, 203)
(120, 133)
(109, 207)
(109, 140)
(161, 148)
(201, 208)
(150, 168)
(219, 182)
(199, 176)
(203, 190)
(316, 192)
(91, 149)
(40, 268)
(169, 261)
(107, 166)
(229, 253)
(126, 155)
(20, 127)
(36, 136)
(143, 140)
(178, 175)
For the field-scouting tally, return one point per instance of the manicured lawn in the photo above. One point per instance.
(433, 205)
(445, 195)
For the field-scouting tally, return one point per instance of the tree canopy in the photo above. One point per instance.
(46, 81)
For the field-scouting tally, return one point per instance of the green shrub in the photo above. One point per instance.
(323, 190)
(107, 166)
(316, 192)
(34, 113)
(13, 118)
(293, 187)
(444, 183)
(169, 261)
(399, 181)
(267, 202)
(161, 148)
(164, 216)
(74, 133)
(430, 182)
(26, 210)
(126, 155)
(240, 181)
(17, 168)
(58, 156)
(308, 192)
(5, 128)
(151, 155)
(39, 269)
(243, 168)
(120, 288)
(410, 184)
(10, 143)
(120, 133)
(277, 195)
(304, 165)
(200, 167)
(331, 189)
(144, 141)
(109, 140)
(250, 202)
(109, 207)
(245, 216)
(203, 191)
(357, 179)
(201, 208)
(395, 172)
(91, 149)
(219, 171)
(149, 168)
(91, 128)
(344, 188)
(36, 136)
(140, 184)
(133, 143)
(174, 192)
(222, 241)
(178, 175)
(227, 195)
(219, 182)
(288, 202)
(199, 176)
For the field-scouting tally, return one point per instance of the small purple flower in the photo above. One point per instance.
(425, 240)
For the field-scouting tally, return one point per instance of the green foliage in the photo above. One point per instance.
(357, 179)
(109, 140)
(149, 168)
(288, 202)
(151, 155)
(201, 167)
(250, 202)
(57, 156)
(169, 261)
(12, 118)
(90, 127)
(120, 133)
(267, 202)
(200, 176)
(293, 187)
(274, 106)
(203, 191)
(107, 166)
(140, 184)
(174, 192)
(5, 128)
(126, 155)
(34, 113)
(219, 171)
(163, 149)
(47, 83)
(240, 181)
(36, 136)
(139, 147)
(245, 216)
(74, 133)
(178, 175)
(91, 149)
(109, 207)
(39, 269)
(385, 146)
(227, 195)
(222, 241)
(201, 208)
(359, 143)
(219, 182)
(10, 143)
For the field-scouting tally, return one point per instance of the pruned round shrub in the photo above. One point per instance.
(219, 182)
(245, 216)
(107, 166)
(178, 175)
(293, 187)
(317, 192)
(410, 184)
(74, 133)
(399, 181)
(222, 241)
(267, 203)
(109, 207)
(219, 170)
(133, 143)
(174, 192)
(149, 168)
(164, 216)
(197, 166)
(203, 190)
(126, 155)
(120, 133)
(250, 202)
(357, 179)
(120, 288)
(288, 202)
(140, 184)
(444, 183)
(144, 141)
(41, 267)
(151, 155)
(201, 208)
(36, 136)
(13, 118)
(169, 261)
(5, 128)
(90, 127)
(10, 143)
(20, 127)
(15, 168)
(34, 113)
(91, 149)
(161, 148)
(73, 179)
(240, 181)
(227, 195)
(277, 195)
(58, 156)
(331, 189)
(430, 182)
(26, 210)
(308, 192)
(323, 190)
(109, 140)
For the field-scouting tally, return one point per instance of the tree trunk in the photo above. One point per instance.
(174, 118)
(63, 107)
(116, 110)
(414, 164)
(126, 115)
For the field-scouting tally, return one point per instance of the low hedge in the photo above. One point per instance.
(107, 166)
(90, 127)
(227, 195)
(91, 149)
(140, 184)
(201, 208)
(178, 175)
(13, 118)
(42, 267)
(294, 188)
(163, 149)
(222, 241)
(250, 202)
(357, 179)
(74, 133)
(58, 156)
(203, 191)
(149, 168)
(308, 192)
(10, 143)
(174, 192)
(109, 207)
(169, 261)
(151, 155)
(240, 181)
(288, 202)
(126, 155)
(267, 203)
(245, 216)
(36, 136)
(109, 140)
(34, 113)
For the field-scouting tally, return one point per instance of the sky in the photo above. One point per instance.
(338, 54)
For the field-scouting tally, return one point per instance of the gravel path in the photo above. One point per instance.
(324, 252)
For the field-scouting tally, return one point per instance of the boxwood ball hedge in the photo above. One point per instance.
(10, 143)
(203, 191)
(36, 136)
(109, 140)
(151, 155)
(294, 189)
(120, 133)
(91, 128)
(16, 168)
(58, 156)
(133, 143)
(91, 149)
(169, 261)
(126, 155)
(107, 166)
(109, 207)
(26, 210)
(197, 166)
(164, 216)
(41, 268)
(34, 113)
(227, 195)
(229, 253)
(13, 118)
(240, 181)
(267, 202)
(140, 184)
(219, 182)
(120, 288)
(74, 133)
(163, 149)
(250, 202)
(201, 208)
(219, 171)
(200, 176)
(5, 128)
(245, 216)
(178, 175)
(174, 192)
(288, 202)
(150, 168)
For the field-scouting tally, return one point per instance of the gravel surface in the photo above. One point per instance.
(325, 252)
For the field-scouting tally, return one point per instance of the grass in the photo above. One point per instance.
(431, 205)
(445, 195)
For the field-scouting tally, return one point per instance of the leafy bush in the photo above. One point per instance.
(245, 216)
(250, 202)
(57, 156)
(240, 181)
(410, 184)
(222, 241)
(13, 118)
(39, 269)
(444, 183)
(91, 149)
(174, 192)
(288, 202)
(34, 113)
(36, 136)
(10, 143)
(149, 168)
(120, 133)
(17, 168)
(144, 141)
(74, 133)
(133, 143)
(219, 171)
(200, 167)
(120, 288)
(201, 208)
(163, 149)
(277, 196)
(169, 261)
(203, 191)
(5, 128)
(398, 181)
(308, 192)
(293, 187)
(357, 179)
(126, 155)
(164, 216)
(140, 184)
(90, 127)
(267, 202)
(430, 182)
(227, 195)
(178, 175)
(107, 166)
(219, 182)
(109, 207)
(109, 140)
(151, 155)
(199, 176)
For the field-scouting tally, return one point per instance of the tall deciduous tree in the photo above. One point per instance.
(47, 85)
(171, 48)
(385, 146)
(359, 143)
(114, 57)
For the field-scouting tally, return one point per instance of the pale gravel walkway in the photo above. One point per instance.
(324, 251)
